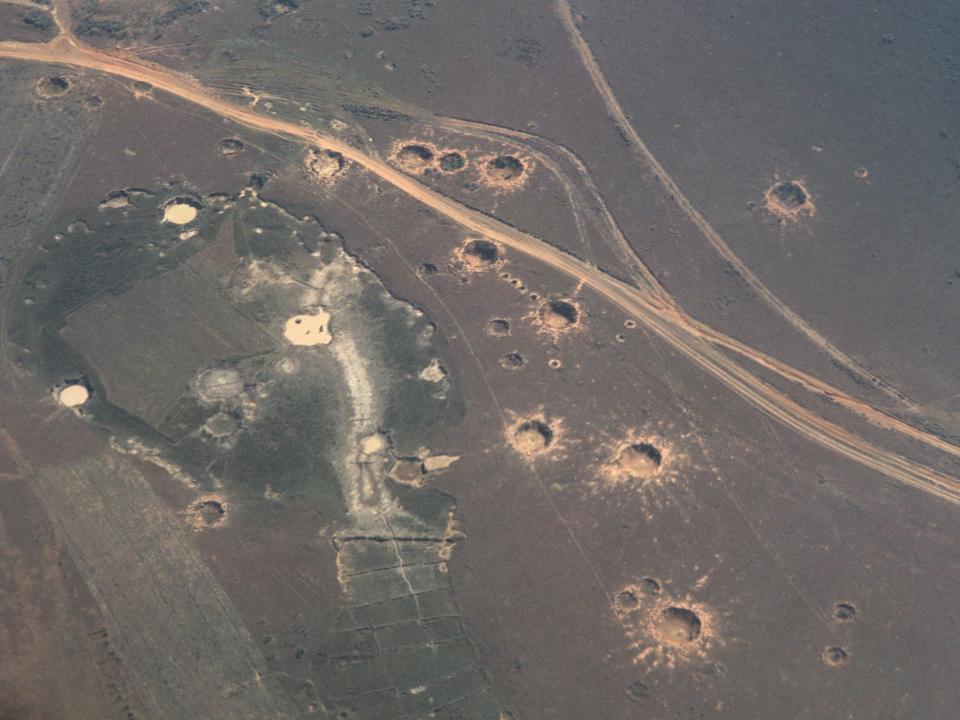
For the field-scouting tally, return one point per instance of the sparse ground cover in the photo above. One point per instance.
(479, 465)
(26, 22)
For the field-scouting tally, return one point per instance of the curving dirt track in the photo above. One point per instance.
(686, 335)
(650, 162)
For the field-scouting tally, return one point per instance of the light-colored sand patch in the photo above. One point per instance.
(434, 372)
(288, 366)
(323, 166)
(307, 330)
(411, 470)
(435, 463)
(179, 213)
(74, 395)
(116, 200)
(453, 535)
(130, 446)
(373, 444)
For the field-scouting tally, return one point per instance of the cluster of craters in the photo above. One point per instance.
(225, 391)
(663, 629)
(499, 171)
(838, 655)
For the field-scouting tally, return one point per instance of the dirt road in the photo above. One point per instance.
(688, 336)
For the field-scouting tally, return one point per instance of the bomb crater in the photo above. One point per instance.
(415, 157)
(52, 86)
(679, 625)
(639, 461)
(480, 254)
(533, 437)
(505, 168)
(835, 656)
(788, 201)
(451, 162)
(558, 315)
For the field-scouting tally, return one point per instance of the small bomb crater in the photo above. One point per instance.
(534, 436)
(558, 316)
(478, 254)
(787, 201)
(627, 599)
(414, 157)
(679, 625)
(789, 195)
(638, 692)
(323, 166)
(511, 361)
(180, 211)
(451, 162)
(231, 147)
(650, 587)
(498, 327)
(52, 86)
(844, 612)
(504, 168)
(427, 269)
(835, 656)
(504, 172)
(209, 511)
